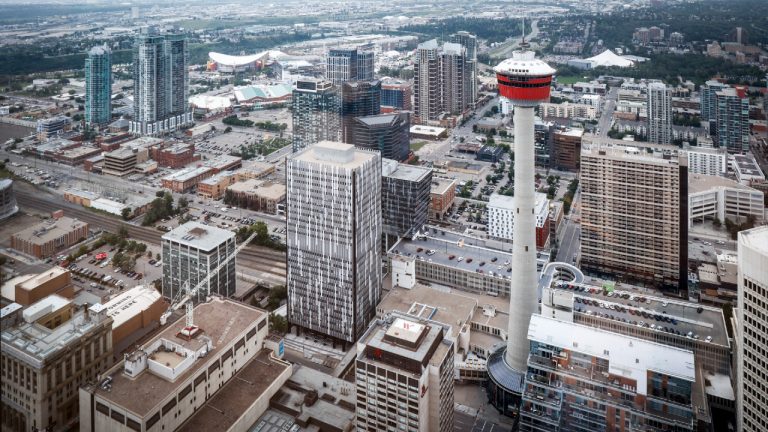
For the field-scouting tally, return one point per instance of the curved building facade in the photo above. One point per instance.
(8, 205)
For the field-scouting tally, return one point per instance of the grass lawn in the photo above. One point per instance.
(569, 79)
(417, 145)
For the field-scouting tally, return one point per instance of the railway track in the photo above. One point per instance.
(253, 257)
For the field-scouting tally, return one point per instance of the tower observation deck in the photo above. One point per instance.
(525, 82)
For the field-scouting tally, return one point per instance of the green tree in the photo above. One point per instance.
(126, 213)
(278, 323)
(276, 297)
(182, 203)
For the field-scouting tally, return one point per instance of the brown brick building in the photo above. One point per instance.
(442, 193)
(566, 149)
(49, 237)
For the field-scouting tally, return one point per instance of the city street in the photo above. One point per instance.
(606, 116)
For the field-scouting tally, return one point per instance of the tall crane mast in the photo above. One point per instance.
(185, 295)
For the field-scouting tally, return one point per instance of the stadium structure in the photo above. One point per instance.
(226, 63)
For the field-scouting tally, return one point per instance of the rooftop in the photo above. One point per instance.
(755, 239)
(131, 303)
(34, 344)
(41, 278)
(233, 400)
(47, 305)
(627, 356)
(449, 247)
(508, 202)
(403, 336)
(50, 230)
(197, 235)
(392, 169)
(746, 165)
(427, 130)
(335, 154)
(222, 321)
(187, 174)
(702, 183)
(266, 189)
(441, 185)
(687, 318)
(222, 161)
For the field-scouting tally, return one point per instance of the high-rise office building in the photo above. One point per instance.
(453, 73)
(160, 84)
(659, 113)
(732, 120)
(469, 42)
(333, 217)
(584, 378)
(395, 95)
(405, 197)
(316, 112)
(634, 212)
(404, 376)
(358, 99)
(343, 65)
(387, 133)
(751, 385)
(98, 86)
(193, 250)
(426, 82)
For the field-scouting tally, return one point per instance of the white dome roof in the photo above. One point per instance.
(524, 63)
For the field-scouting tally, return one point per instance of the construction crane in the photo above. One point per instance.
(185, 295)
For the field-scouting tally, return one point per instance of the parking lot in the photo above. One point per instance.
(95, 273)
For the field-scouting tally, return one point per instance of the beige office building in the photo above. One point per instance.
(751, 385)
(50, 349)
(404, 376)
(634, 212)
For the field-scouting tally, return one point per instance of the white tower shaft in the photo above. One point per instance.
(523, 298)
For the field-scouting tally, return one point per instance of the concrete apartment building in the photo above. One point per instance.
(427, 104)
(98, 86)
(334, 229)
(581, 378)
(714, 197)
(566, 149)
(193, 250)
(49, 350)
(316, 110)
(711, 162)
(124, 161)
(442, 194)
(569, 111)
(404, 198)
(404, 376)
(172, 379)
(659, 113)
(634, 212)
(501, 218)
(160, 84)
(387, 133)
(49, 237)
(469, 42)
(454, 71)
(259, 195)
(751, 387)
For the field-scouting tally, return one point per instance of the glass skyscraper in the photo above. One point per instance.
(98, 86)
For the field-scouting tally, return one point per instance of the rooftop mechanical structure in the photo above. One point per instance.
(525, 82)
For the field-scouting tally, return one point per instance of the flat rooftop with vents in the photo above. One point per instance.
(199, 236)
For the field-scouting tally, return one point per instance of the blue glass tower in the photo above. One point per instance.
(98, 86)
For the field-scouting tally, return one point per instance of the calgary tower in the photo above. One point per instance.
(525, 82)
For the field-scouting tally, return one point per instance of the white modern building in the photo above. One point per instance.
(404, 376)
(751, 385)
(707, 161)
(501, 215)
(711, 197)
(334, 239)
(569, 110)
(190, 252)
